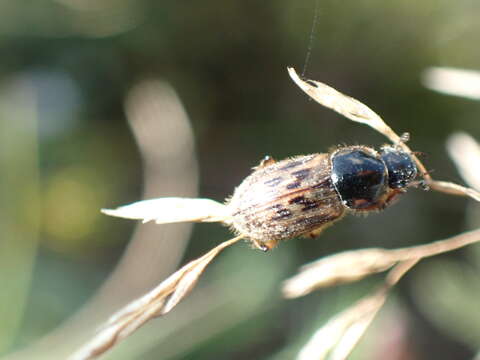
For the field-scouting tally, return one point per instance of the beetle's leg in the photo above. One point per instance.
(391, 198)
(260, 246)
(314, 233)
(266, 161)
(405, 137)
(423, 184)
(265, 246)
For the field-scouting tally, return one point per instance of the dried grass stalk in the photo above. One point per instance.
(172, 210)
(342, 327)
(339, 336)
(157, 302)
(336, 269)
(354, 265)
(454, 189)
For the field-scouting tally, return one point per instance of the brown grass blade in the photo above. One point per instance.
(158, 301)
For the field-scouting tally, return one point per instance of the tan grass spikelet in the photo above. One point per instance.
(157, 302)
(173, 210)
(339, 336)
(341, 332)
(336, 269)
(349, 266)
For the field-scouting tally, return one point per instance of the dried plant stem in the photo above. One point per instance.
(346, 329)
(339, 336)
(394, 275)
(453, 189)
(157, 302)
(354, 265)
(436, 247)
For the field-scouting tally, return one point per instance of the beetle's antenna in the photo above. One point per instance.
(422, 184)
(312, 36)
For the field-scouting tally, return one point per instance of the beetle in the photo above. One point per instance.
(303, 195)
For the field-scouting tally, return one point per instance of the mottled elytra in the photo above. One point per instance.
(303, 195)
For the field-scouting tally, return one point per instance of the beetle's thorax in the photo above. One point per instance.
(368, 180)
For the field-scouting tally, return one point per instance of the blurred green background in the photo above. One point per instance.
(68, 74)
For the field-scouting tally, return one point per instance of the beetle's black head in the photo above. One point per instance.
(401, 168)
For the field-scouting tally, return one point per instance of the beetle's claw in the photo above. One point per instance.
(424, 185)
(261, 246)
(264, 248)
(266, 161)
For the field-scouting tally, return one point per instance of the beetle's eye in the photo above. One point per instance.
(359, 177)
(401, 168)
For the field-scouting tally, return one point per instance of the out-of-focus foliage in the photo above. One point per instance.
(66, 151)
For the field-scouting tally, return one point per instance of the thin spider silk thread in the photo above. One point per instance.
(311, 38)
